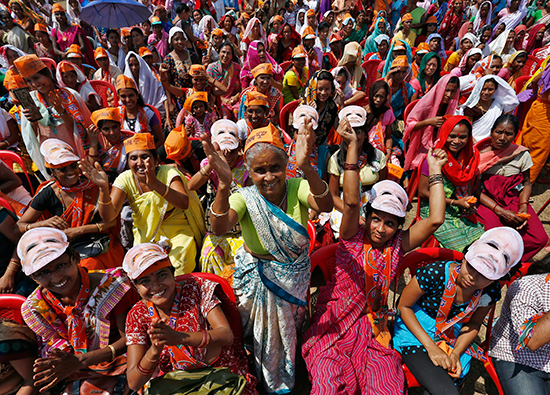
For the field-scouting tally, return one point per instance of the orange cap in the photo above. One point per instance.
(196, 70)
(144, 51)
(74, 51)
(299, 52)
(217, 32)
(310, 12)
(196, 96)
(406, 17)
(38, 27)
(139, 142)
(422, 48)
(308, 33)
(66, 66)
(126, 31)
(245, 15)
(400, 61)
(263, 68)
(278, 18)
(156, 21)
(432, 19)
(12, 80)
(28, 65)
(100, 53)
(57, 8)
(268, 134)
(334, 37)
(125, 82)
(177, 145)
(254, 98)
(106, 114)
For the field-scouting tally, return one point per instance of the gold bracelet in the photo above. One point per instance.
(150, 361)
(217, 215)
(27, 227)
(104, 203)
(113, 352)
(99, 229)
(15, 262)
(167, 190)
(203, 172)
(322, 195)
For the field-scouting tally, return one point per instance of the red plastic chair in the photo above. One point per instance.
(286, 65)
(9, 157)
(520, 83)
(107, 92)
(4, 203)
(367, 56)
(180, 117)
(214, 278)
(485, 347)
(408, 109)
(285, 114)
(370, 67)
(10, 307)
(50, 63)
(312, 232)
(324, 259)
(531, 65)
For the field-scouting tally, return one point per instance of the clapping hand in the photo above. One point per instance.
(217, 161)
(94, 172)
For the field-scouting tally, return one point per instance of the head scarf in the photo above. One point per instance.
(427, 107)
(463, 30)
(441, 50)
(4, 56)
(464, 61)
(389, 59)
(203, 22)
(497, 45)
(33, 16)
(84, 87)
(460, 171)
(173, 31)
(140, 142)
(478, 23)
(177, 145)
(298, 24)
(370, 43)
(469, 36)
(421, 77)
(150, 88)
(28, 65)
(253, 60)
(468, 82)
(353, 50)
(532, 42)
(293, 34)
(518, 44)
(346, 90)
(480, 34)
(249, 27)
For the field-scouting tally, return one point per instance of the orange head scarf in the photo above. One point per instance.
(144, 51)
(461, 170)
(254, 98)
(100, 53)
(263, 68)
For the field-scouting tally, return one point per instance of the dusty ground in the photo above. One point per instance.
(478, 381)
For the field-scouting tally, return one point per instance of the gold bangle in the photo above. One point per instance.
(27, 227)
(113, 352)
(104, 203)
(166, 192)
(322, 195)
(99, 229)
(150, 361)
(203, 172)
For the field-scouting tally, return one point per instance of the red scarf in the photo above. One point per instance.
(83, 207)
(445, 327)
(181, 356)
(460, 171)
(76, 324)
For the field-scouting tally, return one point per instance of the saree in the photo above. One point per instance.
(253, 60)
(69, 37)
(370, 43)
(273, 294)
(450, 25)
(341, 350)
(153, 217)
(505, 191)
(229, 78)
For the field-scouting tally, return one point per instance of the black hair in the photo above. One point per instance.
(343, 72)
(228, 44)
(323, 25)
(325, 75)
(507, 118)
(454, 80)
(361, 12)
(101, 122)
(540, 267)
(112, 31)
(181, 8)
(521, 55)
(138, 30)
(199, 11)
(288, 3)
(369, 210)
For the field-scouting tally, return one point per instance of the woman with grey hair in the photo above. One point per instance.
(272, 269)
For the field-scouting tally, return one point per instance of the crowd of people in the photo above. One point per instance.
(173, 178)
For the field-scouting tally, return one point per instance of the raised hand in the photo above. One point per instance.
(150, 174)
(346, 131)
(94, 172)
(93, 135)
(55, 100)
(217, 161)
(305, 141)
(437, 158)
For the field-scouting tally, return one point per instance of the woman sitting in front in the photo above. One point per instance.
(180, 328)
(79, 318)
(159, 200)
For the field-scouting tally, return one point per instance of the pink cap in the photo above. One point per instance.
(389, 197)
(40, 246)
(495, 252)
(225, 133)
(141, 257)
